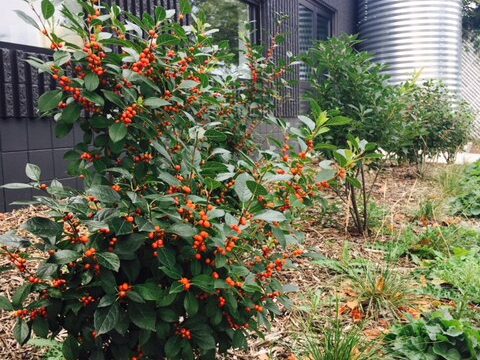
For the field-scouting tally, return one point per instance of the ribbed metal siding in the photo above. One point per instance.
(471, 82)
(414, 35)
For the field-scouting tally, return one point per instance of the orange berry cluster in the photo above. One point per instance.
(232, 283)
(59, 283)
(39, 312)
(123, 290)
(95, 16)
(185, 333)
(271, 267)
(19, 262)
(117, 188)
(158, 237)
(231, 245)
(90, 253)
(222, 302)
(95, 61)
(34, 280)
(65, 82)
(87, 300)
(145, 65)
(205, 221)
(113, 242)
(186, 283)
(129, 114)
(21, 314)
(199, 243)
(146, 158)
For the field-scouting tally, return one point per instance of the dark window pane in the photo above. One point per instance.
(230, 17)
(305, 35)
(324, 26)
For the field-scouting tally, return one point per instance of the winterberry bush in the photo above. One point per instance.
(175, 247)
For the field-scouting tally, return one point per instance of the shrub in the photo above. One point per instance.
(174, 248)
(439, 336)
(434, 123)
(347, 80)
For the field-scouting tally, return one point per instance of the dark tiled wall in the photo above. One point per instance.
(24, 136)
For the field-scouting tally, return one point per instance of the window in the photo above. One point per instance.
(315, 24)
(14, 30)
(231, 18)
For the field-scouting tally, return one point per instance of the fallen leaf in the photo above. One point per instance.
(373, 334)
(352, 304)
(357, 315)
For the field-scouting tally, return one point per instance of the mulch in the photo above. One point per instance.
(397, 189)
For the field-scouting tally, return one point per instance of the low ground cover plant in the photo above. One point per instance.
(467, 202)
(175, 247)
(438, 336)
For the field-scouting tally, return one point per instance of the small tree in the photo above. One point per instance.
(174, 248)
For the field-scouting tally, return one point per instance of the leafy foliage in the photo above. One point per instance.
(175, 247)
(439, 336)
(467, 203)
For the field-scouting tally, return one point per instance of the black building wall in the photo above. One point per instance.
(25, 137)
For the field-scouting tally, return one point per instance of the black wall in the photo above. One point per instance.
(24, 137)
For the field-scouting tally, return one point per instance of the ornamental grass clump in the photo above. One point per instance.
(175, 246)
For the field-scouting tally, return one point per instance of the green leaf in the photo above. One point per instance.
(279, 234)
(256, 188)
(188, 84)
(150, 291)
(270, 216)
(155, 103)
(215, 135)
(239, 340)
(70, 348)
(308, 122)
(16, 186)
(191, 304)
(184, 230)
(65, 256)
(114, 98)
(40, 327)
(44, 228)
(28, 19)
(109, 260)
(185, 7)
(204, 282)
(20, 295)
(61, 57)
(104, 194)
(106, 318)
(142, 315)
(94, 97)
(117, 132)
(91, 81)
(13, 241)
(21, 331)
(130, 244)
(33, 172)
(173, 347)
(5, 304)
(48, 9)
(204, 339)
(121, 226)
(241, 189)
(72, 113)
(50, 100)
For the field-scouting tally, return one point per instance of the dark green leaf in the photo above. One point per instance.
(66, 256)
(5, 304)
(21, 331)
(155, 103)
(50, 100)
(109, 260)
(91, 81)
(70, 348)
(142, 315)
(106, 318)
(117, 132)
(72, 113)
(48, 9)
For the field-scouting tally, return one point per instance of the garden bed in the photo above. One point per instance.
(399, 195)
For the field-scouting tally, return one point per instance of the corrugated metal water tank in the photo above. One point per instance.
(414, 35)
